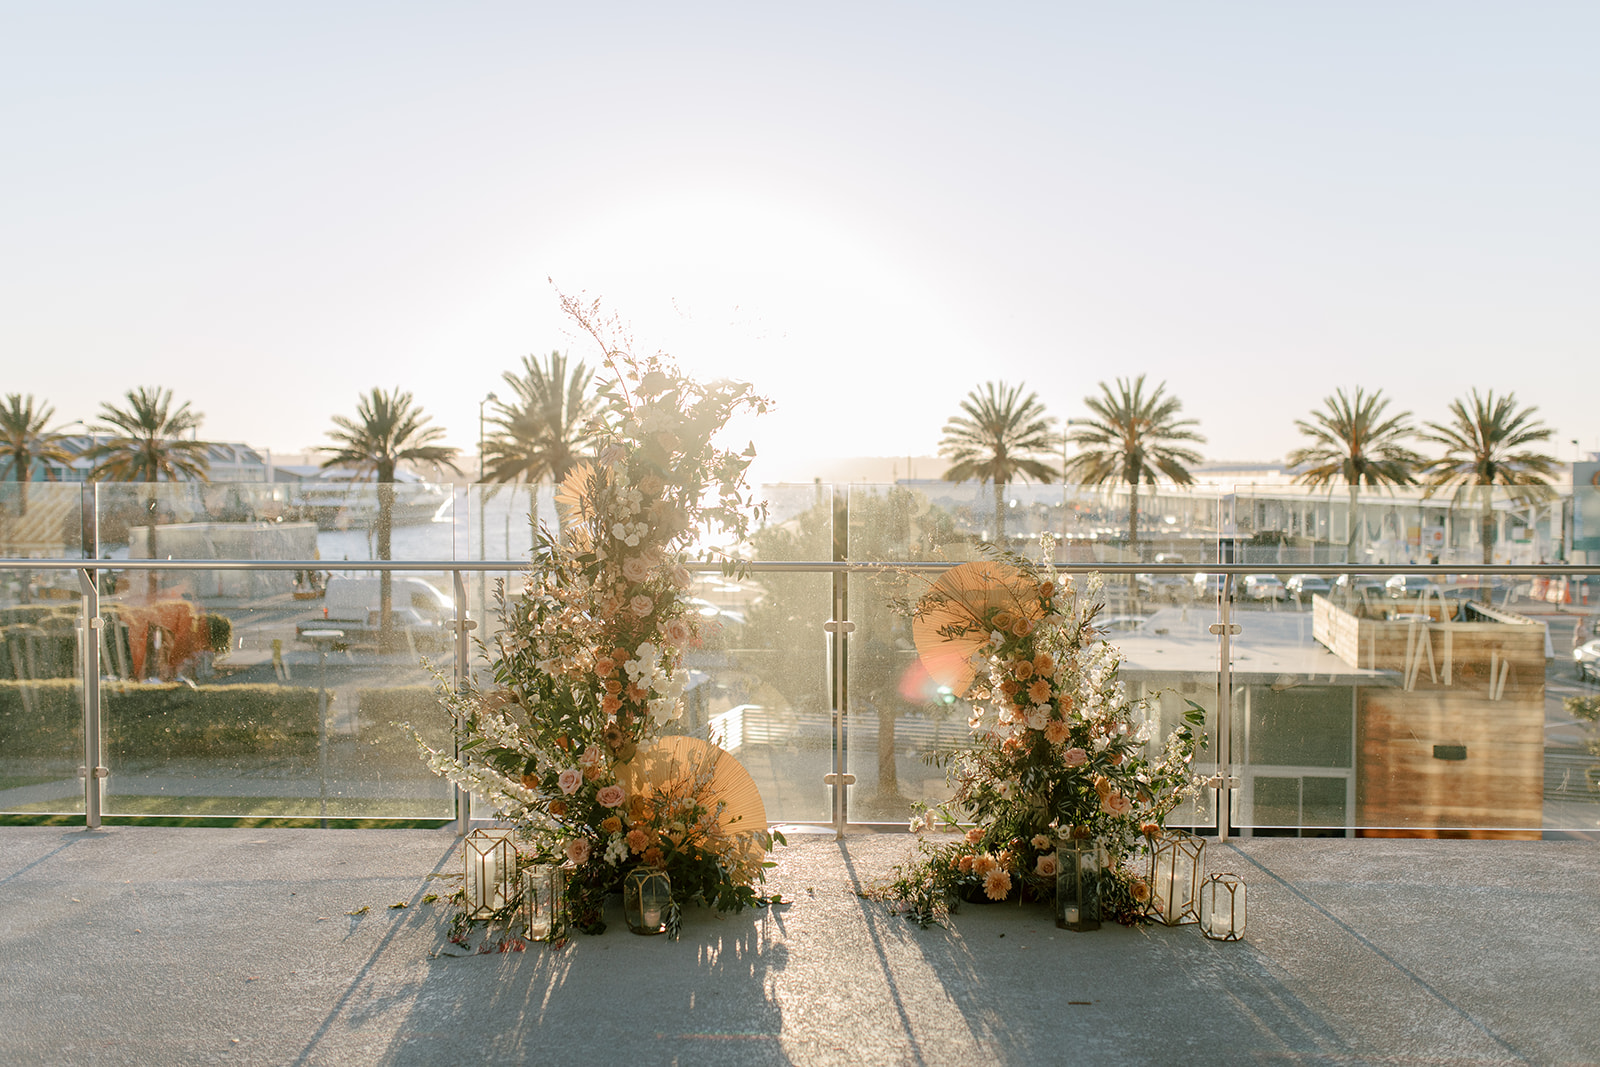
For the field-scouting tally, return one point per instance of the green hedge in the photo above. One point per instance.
(43, 719)
(416, 704)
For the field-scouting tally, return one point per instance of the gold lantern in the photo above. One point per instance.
(646, 896)
(491, 871)
(1222, 907)
(544, 901)
(1175, 869)
(1079, 862)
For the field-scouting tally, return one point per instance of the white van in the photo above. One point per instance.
(355, 605)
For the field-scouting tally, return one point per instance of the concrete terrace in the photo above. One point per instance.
(140, 945)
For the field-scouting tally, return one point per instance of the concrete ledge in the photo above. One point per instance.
(144, 945)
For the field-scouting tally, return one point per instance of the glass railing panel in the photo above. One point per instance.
(901, 721)
(41, 520)
(759, 685)
(41, 692)
(1283, 524)
(249, 700)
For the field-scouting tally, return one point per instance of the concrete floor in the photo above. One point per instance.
(139, 945)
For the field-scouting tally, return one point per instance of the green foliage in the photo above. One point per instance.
(216, 632)
(43, 719)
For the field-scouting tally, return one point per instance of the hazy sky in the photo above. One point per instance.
(867, 210)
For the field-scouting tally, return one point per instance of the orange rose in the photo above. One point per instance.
(1047, 590)
(1003, 620)
(611, 824)
(1022, 627)
(558, 808)
(1023, 670)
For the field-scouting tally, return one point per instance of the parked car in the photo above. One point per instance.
(1304, 586)
(1587, 658)
(1360, 586)
(1404, 585)
(353, 606)
(1263, 587)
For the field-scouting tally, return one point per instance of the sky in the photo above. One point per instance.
(866, 210)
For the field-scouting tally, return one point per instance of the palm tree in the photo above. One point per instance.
(1353, 442)
(1485, 446)
(24, 442)
(389, 429)
(1133, 438)
(547, 426)
(147, 444)
(996, 439)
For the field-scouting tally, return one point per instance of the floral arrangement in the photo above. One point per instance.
(587, 667)
(1057, 751)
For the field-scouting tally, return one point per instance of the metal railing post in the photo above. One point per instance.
(837, 629)
(463, 626)
(1224, 781)
(94, 772)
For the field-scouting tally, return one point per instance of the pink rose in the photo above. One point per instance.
(570, 780)
(635, 569)
(611, 795)
(578, 851)
(681, 578)
(1117, 804)
(1075, 757)
(590, 757)
(641, 605)
(678, 631)
(1046, 867)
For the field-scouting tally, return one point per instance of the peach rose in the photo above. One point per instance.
(1116, 804)
(590, 757)
(678, 631)
(1046, 865)
(641, 605)
(569, 780)
(578, 851)
(1140, 890)
(1042, 841)
(1023, 670)
(1150, 829)
(1003, 620)
(635, 569)
(610, 796)
(1074, 757)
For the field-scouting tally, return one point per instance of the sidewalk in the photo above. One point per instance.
(139, 945)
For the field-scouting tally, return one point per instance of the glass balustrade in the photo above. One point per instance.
(1428, 698)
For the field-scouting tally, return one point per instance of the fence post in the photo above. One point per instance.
(463, 626)
(94, 771)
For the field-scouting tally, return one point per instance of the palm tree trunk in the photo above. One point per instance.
(1486, 530)
(385, 579)
(1000, 513)
(1133, 530)
(888, 773)
(151, 578)
(1350, 549)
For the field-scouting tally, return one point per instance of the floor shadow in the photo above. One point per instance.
(707, 998)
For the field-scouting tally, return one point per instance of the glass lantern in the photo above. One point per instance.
(1175, 869)
(1079, 862)
(1222, 907)
(491, 871)
(646, 893)
(544, 901)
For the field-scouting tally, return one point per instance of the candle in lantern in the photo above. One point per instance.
(1071, 914)
(488, 881)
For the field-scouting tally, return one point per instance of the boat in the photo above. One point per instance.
(343, 499)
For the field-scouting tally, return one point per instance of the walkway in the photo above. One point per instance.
(138, 945)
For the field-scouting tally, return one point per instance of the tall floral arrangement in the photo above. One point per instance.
(587, 669)
(1057, 751)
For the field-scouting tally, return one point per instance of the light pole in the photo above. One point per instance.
(483, 579)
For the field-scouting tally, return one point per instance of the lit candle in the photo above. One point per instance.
(1071, 914)
(488, 881)
(652, 918)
